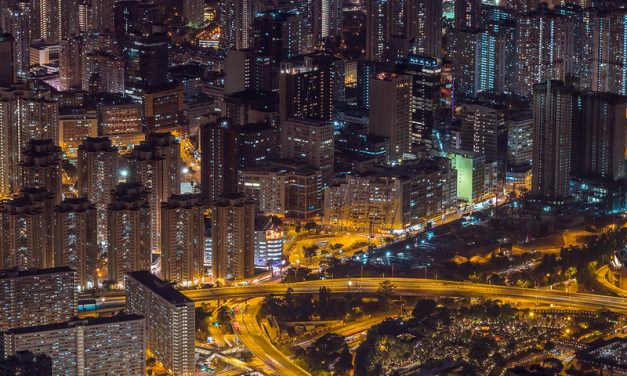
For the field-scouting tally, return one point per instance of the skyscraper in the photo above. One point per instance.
(541, 40)
(68, 18)
(194, 11)
(7, 57)
(102, 72)
(236, 22)
(488, 125)
(70, 63)
(425, 75)
(390, 113)
(310, 141)
(102, 15)
(50, 19)
(41, 167)
(24, 116)
(379, 18)
(129, 231)
(156, 163)
(182, 239)
(170, 335)
(327, 20)
(425, 25)
(463, 53)
(598, 143)
(467, 14)
(552, 120)
(233, 237)
(97, 165)
(37, 297)
(16, 23)
(305, 89)
(280, 35)
(27, 230)
(219, 144)
(146, 62)
(609, 50)
(75, 239)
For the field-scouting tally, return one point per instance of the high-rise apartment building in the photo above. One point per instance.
(16, 22)
(194, 11)
(425, 75)
(468, 14)
(236, 21)
(7, 58)
(27, 230)
(379, 15)
(598, 137)
(129, 235)
(41, 167)
(145, 61)
(24, 116)
(75, 240)
(171, 318)
(424, 23)
(37, 297)
(102, 72)
(541, 41)
(156, 163)
(69, 19)
(393, 198)
(390, 113)
(280, 35)
(609, 50)
(268, 186)
(97, 166)
(310, 141)
(101, 15)
(519, 140)
(463, 55)
(487, 122)
(121, 121)
(219, 144)
(552, 120)
(327, 20)
(182, 239)
(233, 232)
(92, 346)
(70, 64)
(305, 89)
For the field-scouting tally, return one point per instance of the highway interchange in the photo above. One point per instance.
(251, 334)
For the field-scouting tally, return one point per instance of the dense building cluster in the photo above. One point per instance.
(183, 138)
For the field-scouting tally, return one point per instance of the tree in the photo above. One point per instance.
(310, 252)
(385, 291)
(424, 308)
(224, 316)
(310, 226)
(108, 284)
(329, 353)
(336, 246)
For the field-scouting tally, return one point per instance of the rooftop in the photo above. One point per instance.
(91, 321)
(14, 273)
(160, 287)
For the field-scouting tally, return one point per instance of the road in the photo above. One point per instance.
(417, 287)
(252, 336)
(406, 287)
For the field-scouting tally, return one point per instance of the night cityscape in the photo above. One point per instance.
(313, 187)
